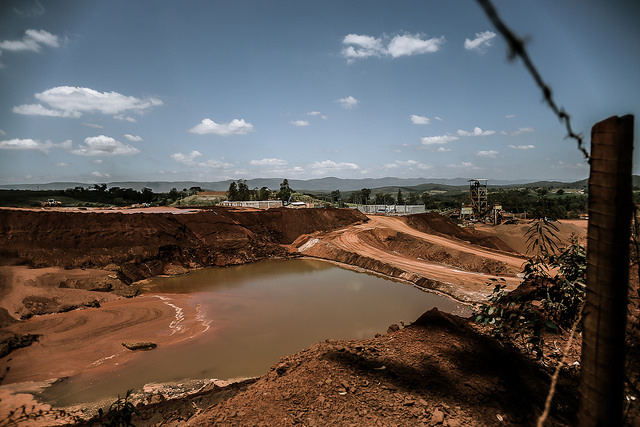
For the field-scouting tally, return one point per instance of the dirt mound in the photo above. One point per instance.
(513, 234)
(142, 245)
(435, 223)
(402, 243)
(429, 259)
(437, 369)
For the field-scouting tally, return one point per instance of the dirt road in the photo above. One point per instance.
(444, 263)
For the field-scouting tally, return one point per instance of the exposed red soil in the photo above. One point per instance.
(431, 259)
(142, 245)
(436, 371)
(441, 370)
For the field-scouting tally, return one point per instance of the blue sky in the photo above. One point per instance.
(101, 91)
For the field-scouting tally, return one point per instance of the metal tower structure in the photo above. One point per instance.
(478, 196)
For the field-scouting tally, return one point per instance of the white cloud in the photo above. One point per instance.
(359, 46)
(413, 45)
(476, 132)
(190, 160)
(318, 114)
(329, 166)
(521, 131)
(39, 110)
(66, 145)
(93, 125)
(522, 147)
(3, 133)
(481, 43)
(25, 144)
(61, 164)
(440, 139)
(348, 103)
(362, 46)
(69, 101)
(408, 165)
(419, 120)
(443, 149)
(102, 145)
(276, 163)
(187, 159)
(98, 161)
(490, 154)
(124, 118)
(510, 116)
(97, 174)
(299, 123)
(234, 127)
(133, 138)
(32, 41)
(438, 118)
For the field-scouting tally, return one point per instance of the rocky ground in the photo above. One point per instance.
(440, 370)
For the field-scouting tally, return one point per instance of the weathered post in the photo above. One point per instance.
(610, 206)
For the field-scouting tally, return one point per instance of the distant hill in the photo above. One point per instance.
(320, 185)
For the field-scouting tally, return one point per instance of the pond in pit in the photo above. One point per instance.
(259, 313)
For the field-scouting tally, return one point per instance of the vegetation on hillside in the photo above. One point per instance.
(536, 202)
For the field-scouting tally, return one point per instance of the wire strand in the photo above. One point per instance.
(517, 48)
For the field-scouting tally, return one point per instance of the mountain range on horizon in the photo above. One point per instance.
(313, 185)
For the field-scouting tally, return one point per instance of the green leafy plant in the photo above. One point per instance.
(120, 412)
(550, 298)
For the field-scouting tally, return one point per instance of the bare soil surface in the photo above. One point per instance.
(433, 260)
(440, 370)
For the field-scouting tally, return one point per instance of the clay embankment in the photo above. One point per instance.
(88, 259)
(142, 245)
(424, 249)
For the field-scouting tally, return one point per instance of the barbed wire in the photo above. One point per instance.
(517, 48)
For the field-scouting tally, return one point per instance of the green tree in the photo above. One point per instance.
(365, 195)
(243, 190)
(428, 201)
(285, 191)
(336, 197)
(264, 193)
(147, 195)
(400, 198)
(232, 193)
(413, 199)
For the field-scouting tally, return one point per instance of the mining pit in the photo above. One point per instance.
(70, 274)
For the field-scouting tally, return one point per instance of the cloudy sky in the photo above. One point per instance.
(99, 91)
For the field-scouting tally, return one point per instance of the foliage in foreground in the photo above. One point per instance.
(550, 298)
(120, 412)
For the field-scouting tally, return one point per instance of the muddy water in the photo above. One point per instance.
(258, 313)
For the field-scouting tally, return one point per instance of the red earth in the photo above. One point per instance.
(67, 277)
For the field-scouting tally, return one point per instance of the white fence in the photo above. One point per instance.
(391, 209)
(258, 204)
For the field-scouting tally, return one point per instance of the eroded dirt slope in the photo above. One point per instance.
(436, 370)
(425, 249)
(143, 245)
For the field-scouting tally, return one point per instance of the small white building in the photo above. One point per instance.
(256, 204)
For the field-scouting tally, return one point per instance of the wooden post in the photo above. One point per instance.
(605, 311)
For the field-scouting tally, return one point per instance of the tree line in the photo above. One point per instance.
(239, 191)
(537, 203)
